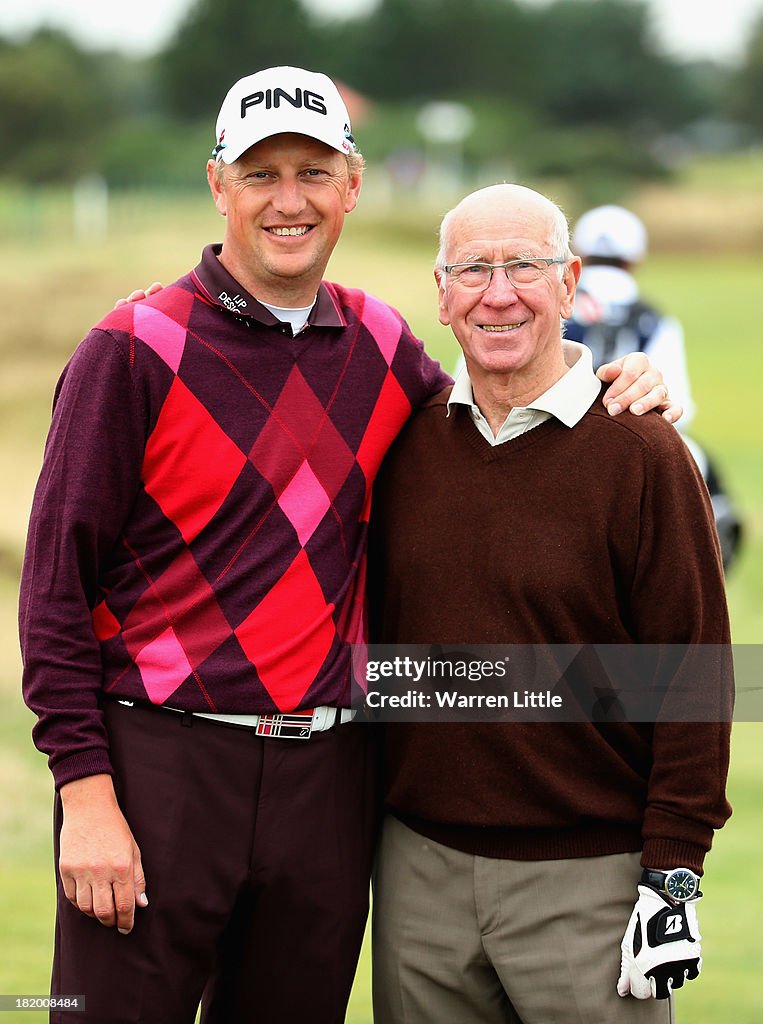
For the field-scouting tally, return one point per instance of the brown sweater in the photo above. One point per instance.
(599, 534)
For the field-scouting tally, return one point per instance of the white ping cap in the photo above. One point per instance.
(281, 99)
(610, 232)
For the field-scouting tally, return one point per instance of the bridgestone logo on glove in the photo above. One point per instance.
(668, 925)
(660, 948)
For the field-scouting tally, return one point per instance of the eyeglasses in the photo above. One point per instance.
(521, 273)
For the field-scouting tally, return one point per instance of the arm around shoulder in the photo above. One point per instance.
(680, 604)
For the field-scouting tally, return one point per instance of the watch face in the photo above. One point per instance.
(681, 884)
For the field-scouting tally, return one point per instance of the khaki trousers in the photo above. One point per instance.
(459, 939)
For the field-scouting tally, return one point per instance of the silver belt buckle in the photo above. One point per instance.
(298, 725)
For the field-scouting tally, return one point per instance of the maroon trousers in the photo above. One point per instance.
(257, 854)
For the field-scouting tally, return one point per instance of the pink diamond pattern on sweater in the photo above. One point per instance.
(161, 333)
(163, 666)
(305, 502)
(383, 325)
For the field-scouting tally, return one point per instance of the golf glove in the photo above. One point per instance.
(660, 948)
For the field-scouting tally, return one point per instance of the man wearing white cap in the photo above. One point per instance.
(194, 580)
(609, 316)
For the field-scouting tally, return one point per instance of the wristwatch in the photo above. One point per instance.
(680, 884)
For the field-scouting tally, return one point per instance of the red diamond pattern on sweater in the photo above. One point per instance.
(391, 411)
(105, 623)
(303, 456)
(190, 463)
(180, 599)
(289, 634)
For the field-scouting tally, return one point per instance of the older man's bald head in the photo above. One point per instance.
(488, 209)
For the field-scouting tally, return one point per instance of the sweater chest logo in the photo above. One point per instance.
(235, 303)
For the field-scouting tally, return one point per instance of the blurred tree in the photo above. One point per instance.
(746, 89)
(592, 161)
(599, 64)
(430, 49)
(149, 151)
(54, 108)
(223, 40)
(536, 78)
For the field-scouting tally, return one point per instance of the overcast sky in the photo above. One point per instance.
(686, 28)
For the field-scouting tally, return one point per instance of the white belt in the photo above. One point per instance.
(299, 725)
(288, 725)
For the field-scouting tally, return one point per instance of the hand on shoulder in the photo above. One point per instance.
(140, 293)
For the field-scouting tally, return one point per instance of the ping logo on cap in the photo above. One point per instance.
(272, 99)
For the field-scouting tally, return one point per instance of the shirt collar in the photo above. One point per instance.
(569, 399)
(574, 393)
(223, 290)
(461, 392)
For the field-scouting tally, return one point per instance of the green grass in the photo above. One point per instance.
(714, 298)
(52, 290)
(726, 172)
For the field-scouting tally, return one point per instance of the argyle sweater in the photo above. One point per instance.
(597, 534)
(199, 529)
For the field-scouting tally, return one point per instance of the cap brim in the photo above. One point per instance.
(283, 122)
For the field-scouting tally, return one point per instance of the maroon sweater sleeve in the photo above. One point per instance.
(432, 376)
(678, 591)
(90, 475)
(421, 376)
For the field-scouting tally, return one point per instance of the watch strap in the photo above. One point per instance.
(654, 878)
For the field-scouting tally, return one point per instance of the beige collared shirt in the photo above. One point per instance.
(568, 399)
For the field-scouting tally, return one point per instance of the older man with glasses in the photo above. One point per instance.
(513, 852)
